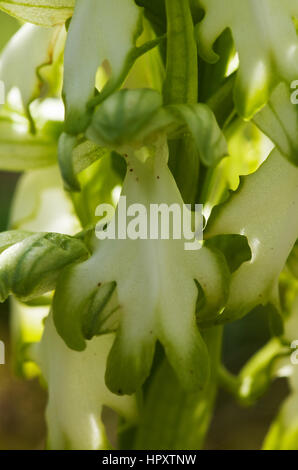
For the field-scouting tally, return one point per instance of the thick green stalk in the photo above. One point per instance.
(173, 418)
(181, 86)
(181, 81)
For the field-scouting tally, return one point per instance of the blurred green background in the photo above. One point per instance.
(22, 404)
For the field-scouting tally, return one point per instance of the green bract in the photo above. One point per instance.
(134, 117)
(131, 117)
(30, 267)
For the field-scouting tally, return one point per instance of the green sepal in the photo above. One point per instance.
(136, 116)
(202, 125)
(123, 116)
(66, 163)
(85, 153)
(74, 156)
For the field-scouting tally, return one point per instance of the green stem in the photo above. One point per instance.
(229, 382)
(181, 86)
(181, 82)
(114, 85)
(173, 418)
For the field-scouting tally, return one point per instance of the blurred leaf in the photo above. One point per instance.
(11, 237)
(20, 150)
(257, 375)
(45, 46)
(31, 267)
(40, 12)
